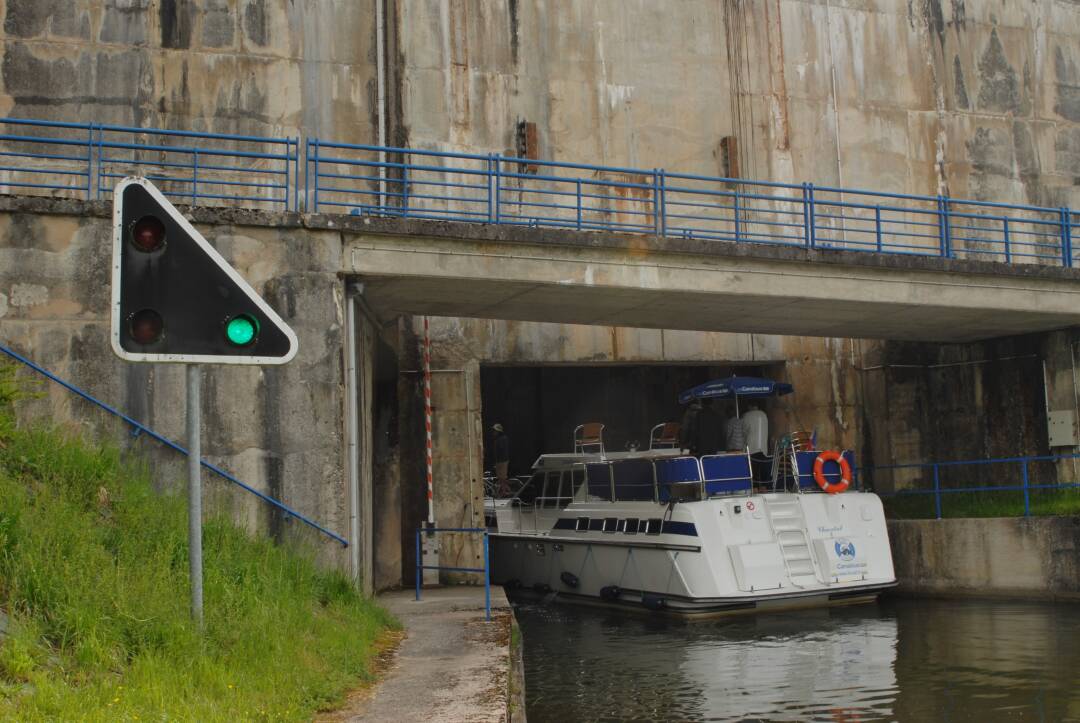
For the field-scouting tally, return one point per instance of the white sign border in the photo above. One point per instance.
(174, 213)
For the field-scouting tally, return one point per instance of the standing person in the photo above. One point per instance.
(501, 448)
(688, 427)
(734, 434)
(709, 429)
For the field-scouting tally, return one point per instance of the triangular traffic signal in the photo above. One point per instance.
(175, 299)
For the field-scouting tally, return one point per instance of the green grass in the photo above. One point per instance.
(94, 581)
(983, 504)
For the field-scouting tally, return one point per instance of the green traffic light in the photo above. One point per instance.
(241, 330)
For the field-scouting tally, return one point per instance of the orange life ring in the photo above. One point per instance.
(832, 488)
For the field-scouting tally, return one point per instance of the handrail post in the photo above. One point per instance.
(89, 158)
(1066, 238)
(195, 178)
(735, 210)
(419, 562)
(498, 171)
(578, 182)
(944, 227)
(1005, 231)
(100, 149)
(809, 214)
(659, 192)
(487, 579)
(1027, 495)
(877, 226)
(315, 189)
(937, 492)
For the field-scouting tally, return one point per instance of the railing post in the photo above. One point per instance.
(1066, 238)
(1027, 495)
(315, 188)
(419, 562)
(937, 492)
(195, 178)
(578, 183)
(89, 158)
(100, 149)
(487, 580)
(944, 227)
(735, 209)
(877, 226)
(1005, 231)
(809, 213)
(498, 171)
(659, 203)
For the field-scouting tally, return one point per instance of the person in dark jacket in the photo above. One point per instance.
(688, 427)
(709, 431)
(501, 453)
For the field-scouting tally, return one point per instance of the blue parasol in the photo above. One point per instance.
(735, 388)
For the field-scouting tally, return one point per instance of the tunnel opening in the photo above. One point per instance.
(540, 405)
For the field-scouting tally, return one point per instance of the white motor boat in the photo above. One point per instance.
(692, 536)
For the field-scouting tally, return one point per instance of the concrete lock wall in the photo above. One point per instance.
(279, 429)
(1027, 557)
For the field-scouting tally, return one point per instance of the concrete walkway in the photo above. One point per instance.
(452, 665)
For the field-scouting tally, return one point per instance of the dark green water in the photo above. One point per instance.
(899, 659)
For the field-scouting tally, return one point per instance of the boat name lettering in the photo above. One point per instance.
(830, 530)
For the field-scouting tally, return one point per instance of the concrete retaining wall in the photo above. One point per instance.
(1035, 557)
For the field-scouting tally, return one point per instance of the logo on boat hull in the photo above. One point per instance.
(845, 549)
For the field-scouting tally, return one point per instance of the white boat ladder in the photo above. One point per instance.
(789, 527)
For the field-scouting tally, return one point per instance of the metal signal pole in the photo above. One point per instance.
(194, 424)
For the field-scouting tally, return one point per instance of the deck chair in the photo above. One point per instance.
(665, 436)
(785, 466)
(589, 438)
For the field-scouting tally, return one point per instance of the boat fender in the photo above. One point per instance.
(569, 579)
(831, 455)
(653, 602)
(542, 587)
(610, 592)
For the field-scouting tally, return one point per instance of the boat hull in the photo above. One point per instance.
(712, 557)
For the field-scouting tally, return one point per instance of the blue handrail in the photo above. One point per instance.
(420, 567)
(143, 429)
(937, 490)
(419, 183)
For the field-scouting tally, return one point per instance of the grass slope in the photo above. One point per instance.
(94, 581)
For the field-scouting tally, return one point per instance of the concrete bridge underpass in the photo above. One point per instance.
(474, 270)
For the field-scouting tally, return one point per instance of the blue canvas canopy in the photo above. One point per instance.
(736, 388)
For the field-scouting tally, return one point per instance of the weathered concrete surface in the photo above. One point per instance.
(278, 429)
(452, 666)
(1036, 557)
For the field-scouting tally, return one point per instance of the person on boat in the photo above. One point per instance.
(688, 427)
(709, 430)
(734, 433)
(501, 449)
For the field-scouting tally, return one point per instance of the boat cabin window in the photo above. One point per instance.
(630, 526)
(582, 524)
(529, 491)
(550, 498)
(652, 526)
(611, 524)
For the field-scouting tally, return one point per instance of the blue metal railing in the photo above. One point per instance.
(412, 183)
(1026, 487)
(188, 166)
(86, 159)
(420, 567)
(138, 429)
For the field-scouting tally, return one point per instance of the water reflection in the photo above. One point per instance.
(898, 660)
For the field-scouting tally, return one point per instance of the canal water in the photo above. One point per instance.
(899, 659)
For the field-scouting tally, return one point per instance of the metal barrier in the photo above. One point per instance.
(937, 490)
(420, 567)
(84, 159)
(87, 159)
(412, 183)
(142, 429)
